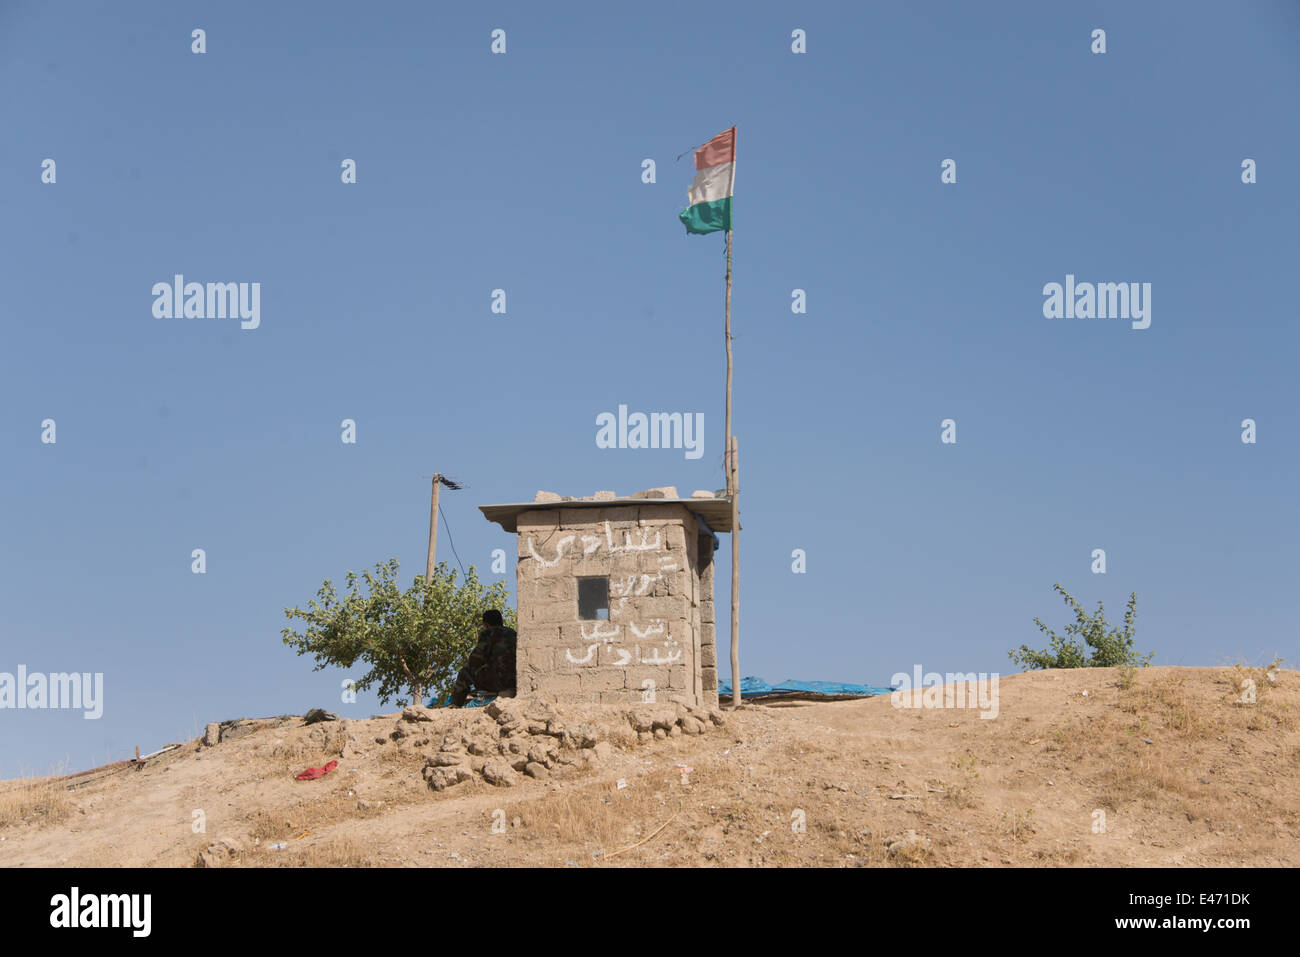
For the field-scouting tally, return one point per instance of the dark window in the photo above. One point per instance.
(593, 599)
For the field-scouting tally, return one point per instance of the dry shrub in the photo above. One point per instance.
(912, 855)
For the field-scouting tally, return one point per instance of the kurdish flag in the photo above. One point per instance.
(710, 194)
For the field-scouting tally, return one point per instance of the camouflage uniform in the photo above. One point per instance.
(491, 665)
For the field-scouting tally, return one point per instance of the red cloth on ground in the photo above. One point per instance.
(311, 774)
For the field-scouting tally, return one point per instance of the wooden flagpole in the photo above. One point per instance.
(733, 474)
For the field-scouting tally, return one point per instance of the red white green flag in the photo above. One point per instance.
(710, 193)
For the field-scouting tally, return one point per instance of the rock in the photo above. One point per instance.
(483, 747)
(540, 712)
(442, 778)
(237, 728)
(336, 739)
(318, 714)
(604, 496)
(518, 761)
(546, 497)
(416, 712)
(665, 717)
(212, 734)
(701, 493)
(539, 753)
(648, 718)
(716, 716)
(496, 771)
(660, 734)
(535, 770)
(582, 736)
(555, 728)
(643, 737)
(675, 731)
(451, 742)
(445, 759)
(691, 725)
(506, 712)
(664, 491)
(603, 751)
(219, 853)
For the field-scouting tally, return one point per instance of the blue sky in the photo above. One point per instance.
(522, 172)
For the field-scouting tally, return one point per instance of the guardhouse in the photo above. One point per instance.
(615, 595)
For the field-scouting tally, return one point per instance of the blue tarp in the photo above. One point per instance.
(749, 688)
(756, 688)
(475, 701)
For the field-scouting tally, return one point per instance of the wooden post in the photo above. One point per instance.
(733, 473)
(735, 572)
(433, 528)
(733, 488)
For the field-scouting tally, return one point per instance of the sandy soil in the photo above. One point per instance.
(1171, 769)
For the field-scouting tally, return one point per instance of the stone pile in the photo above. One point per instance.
(513, 736)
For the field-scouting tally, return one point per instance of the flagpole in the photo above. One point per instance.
(733, 475)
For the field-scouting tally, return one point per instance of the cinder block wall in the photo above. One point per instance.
(660, 605)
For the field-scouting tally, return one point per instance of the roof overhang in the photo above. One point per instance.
(715, 511)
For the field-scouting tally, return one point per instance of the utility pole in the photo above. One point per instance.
(439, 480)
(433, 528)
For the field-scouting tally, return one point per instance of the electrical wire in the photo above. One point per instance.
(450, 540)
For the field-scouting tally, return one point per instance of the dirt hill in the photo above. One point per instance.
(1084, 767)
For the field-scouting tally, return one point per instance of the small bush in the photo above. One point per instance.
(1111, 647)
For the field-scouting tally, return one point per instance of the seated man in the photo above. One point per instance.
(491, 665)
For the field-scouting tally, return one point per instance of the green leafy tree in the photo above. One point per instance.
(1111, 647)
(414, 640)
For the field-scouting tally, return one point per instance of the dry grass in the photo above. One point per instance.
(600, 819)
(1156, 743)
(1190, 774)
(912, 855)
(342, 851)
(39, 801)
(962, 793)
(1018, 825)
(657, 821)
(308, 817)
